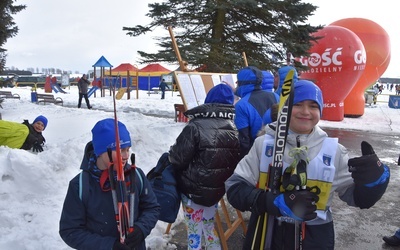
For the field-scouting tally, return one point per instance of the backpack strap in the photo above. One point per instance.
(141, 180)
(84, 189)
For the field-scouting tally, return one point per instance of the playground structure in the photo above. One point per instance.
(125, 78)
(56, 88)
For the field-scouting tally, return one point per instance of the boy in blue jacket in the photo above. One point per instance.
(88, 220)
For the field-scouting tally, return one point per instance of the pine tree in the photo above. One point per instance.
(8, 27)
(215, 33)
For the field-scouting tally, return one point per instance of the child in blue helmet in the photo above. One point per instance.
(360, 181)
(253, 104)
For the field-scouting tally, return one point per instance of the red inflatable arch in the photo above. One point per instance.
(377, 48)
(335, 63)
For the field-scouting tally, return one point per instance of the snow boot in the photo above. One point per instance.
(392, 240)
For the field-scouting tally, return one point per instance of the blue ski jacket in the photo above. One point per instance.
(90, 224)
(250, 110)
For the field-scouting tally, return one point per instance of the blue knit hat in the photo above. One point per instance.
(307, 90)
(220, 93)
(103, 136)
(249, 75)
(42, 119)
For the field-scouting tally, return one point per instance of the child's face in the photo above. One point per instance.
(104, 159)
(305, 115)
(38, 126)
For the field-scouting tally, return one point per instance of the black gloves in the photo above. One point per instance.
(367, 168)
(135, 238)
(265, 203)
(37, 147)
(299, 205)
(132, 240)
(119, 246)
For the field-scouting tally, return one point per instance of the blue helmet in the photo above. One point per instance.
(307, 90)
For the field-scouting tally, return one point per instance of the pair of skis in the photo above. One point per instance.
(124, 204)
(271, 179)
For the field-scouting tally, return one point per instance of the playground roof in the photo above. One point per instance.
(125, 67)
(155, 67)
(102, 62)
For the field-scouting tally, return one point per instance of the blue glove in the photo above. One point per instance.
(367, 169)
(299, 205)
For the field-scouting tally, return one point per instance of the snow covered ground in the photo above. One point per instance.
(33, 186)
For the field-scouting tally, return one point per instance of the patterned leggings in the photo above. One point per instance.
(200, 221)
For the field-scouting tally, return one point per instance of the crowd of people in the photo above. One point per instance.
(221, 150)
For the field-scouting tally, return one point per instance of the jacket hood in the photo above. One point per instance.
(87, 154)
(220, 93)
(268, 81)
(282, 72)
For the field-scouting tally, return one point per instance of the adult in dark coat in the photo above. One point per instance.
(204, 156)
(83, 84)
(89, 223)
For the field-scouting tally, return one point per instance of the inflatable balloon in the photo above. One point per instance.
(335, 63)
(377, 48)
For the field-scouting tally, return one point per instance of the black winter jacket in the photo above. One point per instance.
(206, 152)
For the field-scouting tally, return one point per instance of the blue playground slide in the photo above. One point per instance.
(92, 90)
(57, 88)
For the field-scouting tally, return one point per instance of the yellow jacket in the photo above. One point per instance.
(13, 134)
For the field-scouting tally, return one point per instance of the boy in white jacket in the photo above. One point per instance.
(360, 182)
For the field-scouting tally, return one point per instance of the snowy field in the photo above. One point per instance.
(33, 186)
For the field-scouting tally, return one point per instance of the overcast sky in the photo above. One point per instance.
(74, 34)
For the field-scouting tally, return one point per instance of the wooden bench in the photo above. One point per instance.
(47, 98)
(8, 94)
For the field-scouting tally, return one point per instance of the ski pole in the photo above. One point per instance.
(132, 194)
(122, 201)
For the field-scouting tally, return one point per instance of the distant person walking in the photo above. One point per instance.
(162, 87)
(83, 84)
